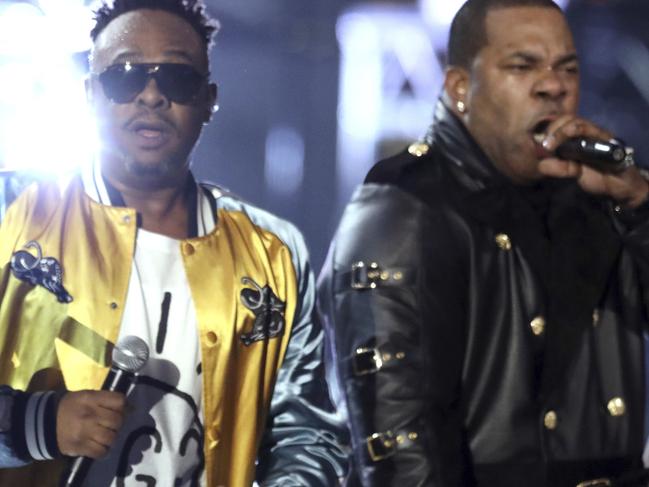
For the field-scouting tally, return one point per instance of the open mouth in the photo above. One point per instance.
(539, 131)
(149, 133)
(147, 127)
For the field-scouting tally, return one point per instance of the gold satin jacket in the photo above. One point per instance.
(265, 401)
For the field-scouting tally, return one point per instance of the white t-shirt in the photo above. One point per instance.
(161, 441)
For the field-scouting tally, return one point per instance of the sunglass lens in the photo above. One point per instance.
(179, 82)
(121, 84)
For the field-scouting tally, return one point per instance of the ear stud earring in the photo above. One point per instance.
(461, 107)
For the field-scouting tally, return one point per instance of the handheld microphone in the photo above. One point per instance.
(129, 356)
(609, 157)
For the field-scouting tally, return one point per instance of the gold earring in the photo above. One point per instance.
(461, 107)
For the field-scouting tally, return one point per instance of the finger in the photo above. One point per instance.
(85, 448)
(115, 401)
(559, 168)
(583, 128)
(93, 450)
(554, 131)
(102, 436)
(566, 128)
(110, 419)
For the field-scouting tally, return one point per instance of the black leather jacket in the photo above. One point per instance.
(482, 333)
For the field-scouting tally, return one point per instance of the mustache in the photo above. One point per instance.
(149, 116)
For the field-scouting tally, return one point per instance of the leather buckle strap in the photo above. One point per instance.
(603, 482)
(366, 361)
(385, 444)
(369, 360)
(381, 446)
(371, 275)
(365, 276)
(630, 478)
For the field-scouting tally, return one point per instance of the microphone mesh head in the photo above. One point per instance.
(130, 353)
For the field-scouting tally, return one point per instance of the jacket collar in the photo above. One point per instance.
(202, 200)
(485, 194)
(448, 134)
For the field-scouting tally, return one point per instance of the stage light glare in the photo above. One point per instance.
(49, 134)
(45, 125)
(72, 21)
(22, 29)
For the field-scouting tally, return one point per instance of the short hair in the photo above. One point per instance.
(468, 30)
(193, 11)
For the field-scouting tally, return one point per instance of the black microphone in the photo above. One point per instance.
(609, 157)
(129, 356)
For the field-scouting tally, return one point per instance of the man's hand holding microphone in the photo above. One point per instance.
(600, 170)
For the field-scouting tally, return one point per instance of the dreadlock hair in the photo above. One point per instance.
(468, 31)
(193, 11)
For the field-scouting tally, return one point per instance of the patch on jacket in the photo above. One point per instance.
(268, 310)
(39, 271)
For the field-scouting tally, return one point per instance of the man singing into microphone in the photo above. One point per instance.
(486, 298)
(220, 291)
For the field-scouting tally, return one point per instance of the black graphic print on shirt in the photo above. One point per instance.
(162, 327)
(164, 423)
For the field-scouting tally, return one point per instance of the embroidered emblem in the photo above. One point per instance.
(39, 270)
(268, 310)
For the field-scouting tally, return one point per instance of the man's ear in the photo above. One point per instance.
(456, 86)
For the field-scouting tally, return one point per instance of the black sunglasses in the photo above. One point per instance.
(179, 83)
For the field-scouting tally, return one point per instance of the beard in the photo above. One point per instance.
(145, 169)
(138, 174)
(140, 170)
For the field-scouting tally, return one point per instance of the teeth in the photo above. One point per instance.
(539, 137)
(148, 133)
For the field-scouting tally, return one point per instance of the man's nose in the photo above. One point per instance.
(551, 85)
(151, 96)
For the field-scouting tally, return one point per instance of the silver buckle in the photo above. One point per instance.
(364, 276)
(367, 361)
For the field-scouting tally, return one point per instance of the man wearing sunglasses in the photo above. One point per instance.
(222, 293)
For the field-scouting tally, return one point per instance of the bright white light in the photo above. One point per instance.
(20, 25)
(71, 22)
(45, 125)
(49, 127)
(284, 168)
